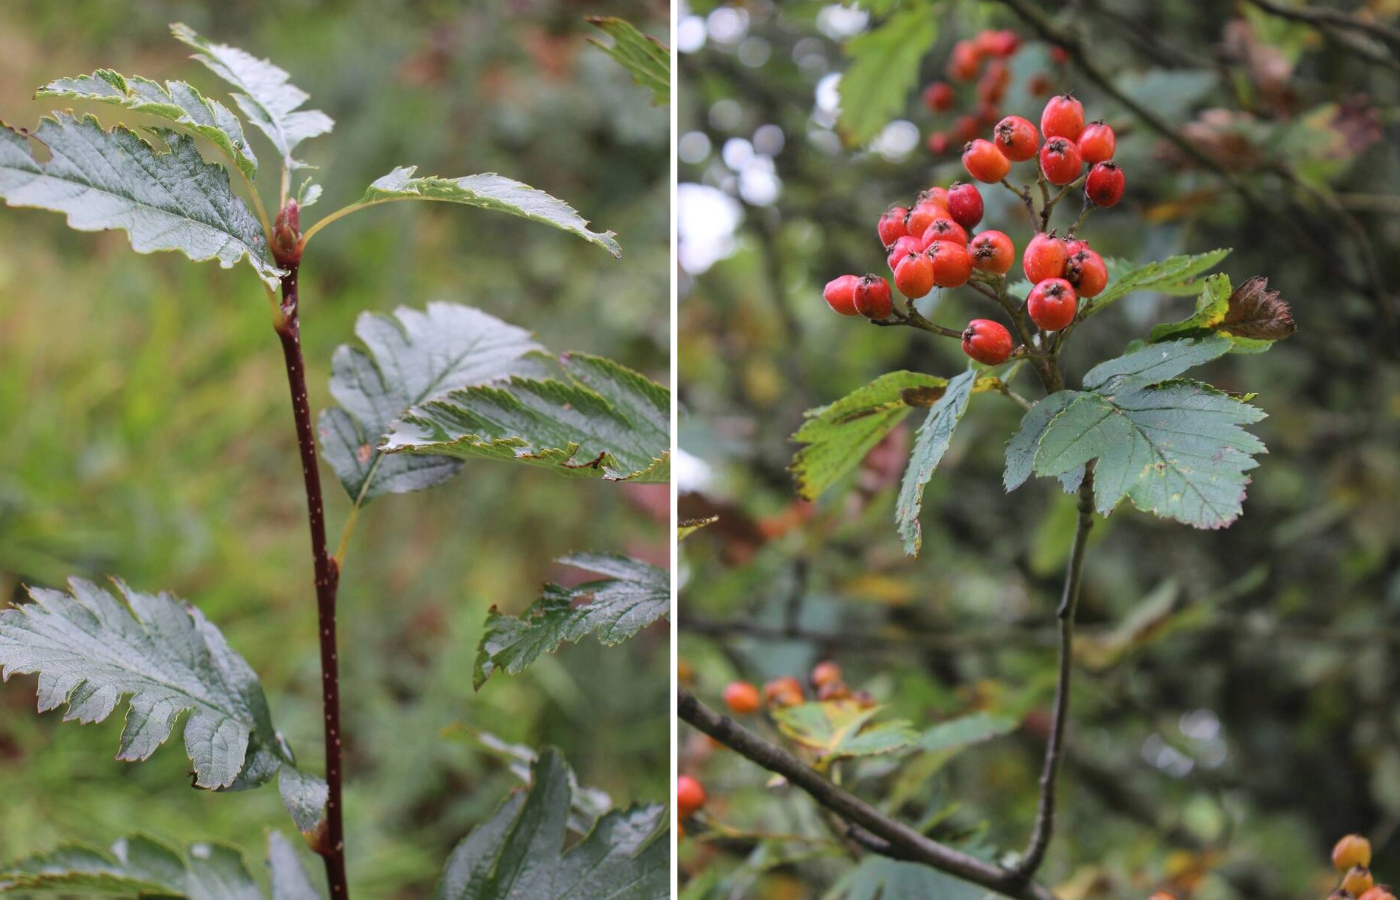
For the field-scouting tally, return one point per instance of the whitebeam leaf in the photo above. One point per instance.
(1175, 448)
(286, 874)
(519, 853)
(587, 417)
(268, 99)
(114, 179)
(176, 101)
(642, 55)
(136, 867)
(413, 357)
(91, 650)
(932, 442)
(489, 191)
(633, 596)
(1170, 276)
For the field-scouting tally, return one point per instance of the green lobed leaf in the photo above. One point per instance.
(519, 853)
(1169, 276)
(1252, 317)
(880, 878)
(965, 731)
(646, 58)
(588, 804)
(136, 866)
(841, 729)
(687, 527)
(587, 417)
(488, 191)
(176, 101)
(287, 875)
(930, 445)
(839, 435)
(1175, 448)
(114, 179)
(884, 68)
(267, 98)
(412, 357)
(634, 595)
(91, 650)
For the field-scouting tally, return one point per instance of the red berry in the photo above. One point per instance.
(1379, 892)
(1074, 245)
(1087, 272)
(952, 264)
(944, 229)
(840, 294)
(1059, 55)
(690, 796)
(923, 215)
(741, 698)
(872, 297)
(992, 251)
(966, 128)
(936, 195)
(963, 64)
(1016, 138)
(1003, 43)
(901, 248)
(965, 204)
(939, 96)
(987, 114)
(1097, 143)
(985, 162)
(825, 672)
(1052, 304)
(938, 143)
(1039, 84)
(892, 226)
(1060, 161)
(1104, 186)
(1063, 117)
(987, 342)
(914, 275)
(1045, 257)
(991, 88)
(783, 691)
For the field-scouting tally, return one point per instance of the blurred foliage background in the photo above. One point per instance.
(147, 430)
(1238, 703)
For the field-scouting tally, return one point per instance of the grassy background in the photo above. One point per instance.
(147, 432)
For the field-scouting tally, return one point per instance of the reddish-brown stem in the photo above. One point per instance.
(332, 848)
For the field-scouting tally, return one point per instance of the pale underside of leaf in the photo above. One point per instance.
(633, 596)
(589, 418)
(519, 853)
(286, 874)
(929, 446)
(412, 357)
(175, 101)
(487, 191)
(137, 866)
(1171, 275)
(114, 179)
(267, 98)
(646, 58)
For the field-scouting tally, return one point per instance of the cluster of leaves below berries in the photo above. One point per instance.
(1351, 857)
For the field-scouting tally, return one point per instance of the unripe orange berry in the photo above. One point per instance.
(825, 672)
(1162, 895)
(784, 691)
(1358, 881)
(1352, 850)
(690, 796)
(741, 698)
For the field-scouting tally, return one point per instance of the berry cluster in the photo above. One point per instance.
(743, 698)
(931, 243)
(1352, 859)
(993, 49)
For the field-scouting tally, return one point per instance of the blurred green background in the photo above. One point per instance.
(147, 432)
(1237, 707)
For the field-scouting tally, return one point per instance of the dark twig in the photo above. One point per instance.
(1321, 15)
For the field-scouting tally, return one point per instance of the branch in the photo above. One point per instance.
(1321, 15)
(331, 845)
(891, 837)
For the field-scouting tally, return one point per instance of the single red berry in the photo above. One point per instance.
(964, 62)
(1074, 245)
(965, 204)
(1016, 138)
(1104, 186)
(690, 796)
(987, 342)
(892, 226)
(872, 296)
(936, 195)
(952, 264)
(1097, 143)
(923, 215)
(1087, 272)
(1052, 304)
(944, 229)
(938, 143)
(987, 114)
(1060, 161)
(991, 87)
(901, 248)
(966, 128)
(840, 294)
(1063, 117)
(1379, 892)
(1039, 85)
(783, 691)
(1045, 257)
(1058, 55)
(914, 275)
(825, 672)
(992, 251)
(742, 698)
(1352, 850)
(983, 41)
(985, 162)
(1003, 43)
(939, 96)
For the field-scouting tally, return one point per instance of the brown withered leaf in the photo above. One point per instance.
(1254, 311)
